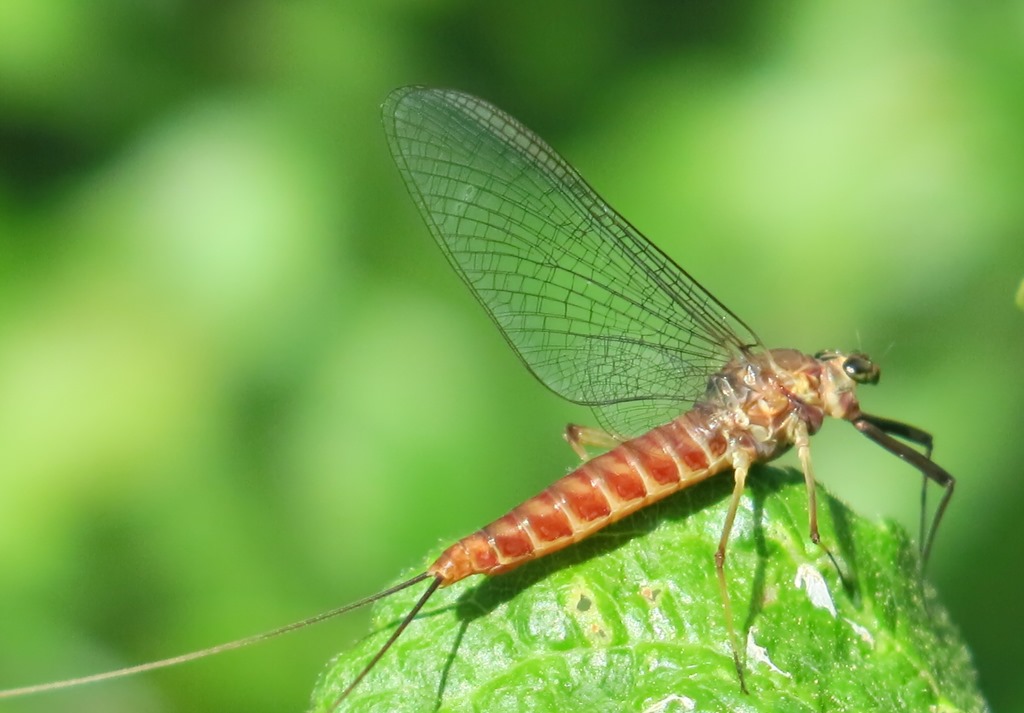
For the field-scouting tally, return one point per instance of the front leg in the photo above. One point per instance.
(882, 432)
(913, 435)
(900, 430)
(579, 437)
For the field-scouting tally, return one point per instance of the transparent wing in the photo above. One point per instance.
(599, 314)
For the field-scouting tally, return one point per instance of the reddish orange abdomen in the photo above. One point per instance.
(598, 493)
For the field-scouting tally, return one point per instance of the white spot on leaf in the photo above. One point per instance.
(810, 579)
(759, 654)
(684, 703)
(862, 632)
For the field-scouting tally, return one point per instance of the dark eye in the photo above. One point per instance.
(861, 369)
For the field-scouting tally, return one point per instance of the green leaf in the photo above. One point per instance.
(631, 620)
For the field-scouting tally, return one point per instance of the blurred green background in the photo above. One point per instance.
(239, 385)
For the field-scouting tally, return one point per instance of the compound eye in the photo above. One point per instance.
(861, 369)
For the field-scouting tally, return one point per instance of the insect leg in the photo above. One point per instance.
(579, 437)
(741, 464)
(914, 435)
(902, 430)
(803, 450)
(879, 430)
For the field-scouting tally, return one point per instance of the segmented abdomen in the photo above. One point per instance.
(598, 493)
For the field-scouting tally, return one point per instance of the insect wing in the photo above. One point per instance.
(599, 314)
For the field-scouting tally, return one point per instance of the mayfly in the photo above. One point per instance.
(681, 387)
